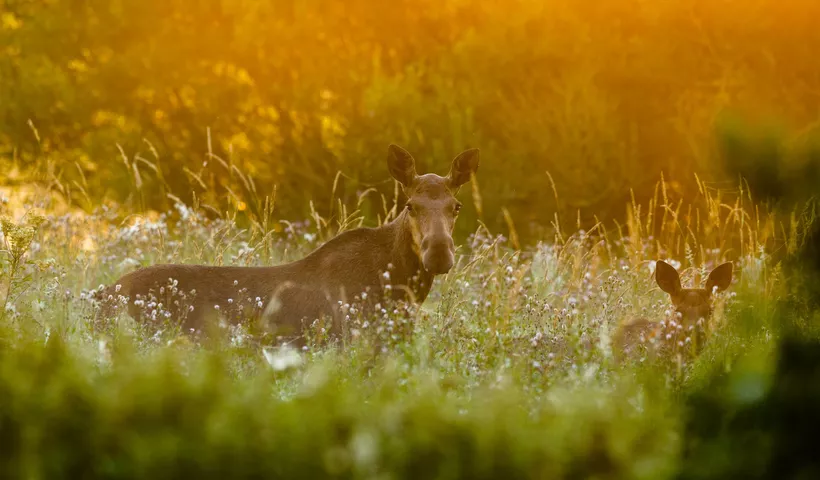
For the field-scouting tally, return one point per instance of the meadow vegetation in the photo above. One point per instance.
(157, 132)
(508, 370)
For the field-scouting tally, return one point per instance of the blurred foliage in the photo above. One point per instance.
(745, 422)
(783, 170)
(751, 423)
(136, 99)
(177, 413)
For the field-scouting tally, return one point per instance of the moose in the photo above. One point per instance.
(398, 260)
(693, 307)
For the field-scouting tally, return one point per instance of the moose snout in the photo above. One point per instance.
(438, 254)
(691, 316)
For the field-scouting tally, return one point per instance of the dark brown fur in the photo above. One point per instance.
(413, 248)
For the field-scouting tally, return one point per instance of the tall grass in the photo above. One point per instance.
(508, 370)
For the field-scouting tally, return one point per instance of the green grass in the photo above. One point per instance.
(507, 371)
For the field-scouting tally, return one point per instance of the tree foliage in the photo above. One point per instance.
(135, 99)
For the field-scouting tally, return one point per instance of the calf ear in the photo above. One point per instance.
(720, 278)
(401, 164)
(667, 278)
(465, 165)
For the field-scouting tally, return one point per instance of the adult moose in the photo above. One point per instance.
(413, 248)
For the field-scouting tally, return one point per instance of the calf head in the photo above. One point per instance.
(692, 304)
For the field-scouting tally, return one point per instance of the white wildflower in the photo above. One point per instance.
(282, 358)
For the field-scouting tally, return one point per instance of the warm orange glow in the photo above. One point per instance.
(605, 96)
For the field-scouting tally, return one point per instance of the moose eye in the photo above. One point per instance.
(457, 208)
(410, 209)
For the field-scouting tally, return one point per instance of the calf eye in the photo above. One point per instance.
(457, 208)
(410, 209)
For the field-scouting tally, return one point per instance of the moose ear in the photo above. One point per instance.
(401, 164)
(720, 278)
(667, 278)
(464, 166)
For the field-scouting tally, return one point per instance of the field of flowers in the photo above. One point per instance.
(508, 370)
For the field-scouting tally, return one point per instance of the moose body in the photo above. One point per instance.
(397, 261)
